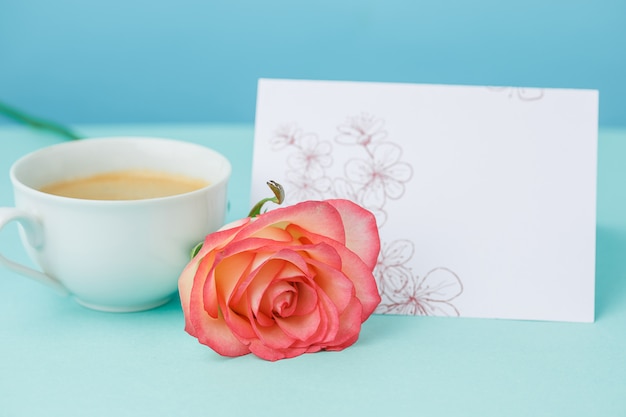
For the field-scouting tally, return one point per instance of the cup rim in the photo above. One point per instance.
(27, 189)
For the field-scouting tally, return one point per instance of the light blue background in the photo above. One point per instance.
(138, 61)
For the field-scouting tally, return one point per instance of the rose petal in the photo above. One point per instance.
(265, 352)
(272, 336)
(227, 272)
(238, 319)
(285, 264)
(300, 327)
(187, 279)
(361, 276)
(203, 290)
(237, 224)
(185, 284)
(361, 230)
(349, 326)
(262, 279)
(352, 266)
(280, 299)
(216, 333)
(315, 246)
(329, 321)
(334, 283)
(321, 217)
(304, 299)
(251, 254)
(222, 237)
(273, 233)
(307, 299)
(263, 319)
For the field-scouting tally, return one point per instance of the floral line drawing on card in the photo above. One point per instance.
(404, 293)
(522, 93)
(379, 175)
(307, 166)
(373, 176)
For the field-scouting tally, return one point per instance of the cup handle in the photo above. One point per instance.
(34, 236)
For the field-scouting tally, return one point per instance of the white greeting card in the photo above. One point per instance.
(485, 197)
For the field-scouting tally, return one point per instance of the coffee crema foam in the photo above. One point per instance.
(125, 185)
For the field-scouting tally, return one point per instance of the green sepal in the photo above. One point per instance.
(279, 197)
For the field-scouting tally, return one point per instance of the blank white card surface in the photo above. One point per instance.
(485, 197)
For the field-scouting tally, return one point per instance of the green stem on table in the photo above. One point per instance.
(29, 120)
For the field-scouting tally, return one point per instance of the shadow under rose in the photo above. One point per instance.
(610, 270)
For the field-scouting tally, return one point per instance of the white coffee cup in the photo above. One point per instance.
(114, 255)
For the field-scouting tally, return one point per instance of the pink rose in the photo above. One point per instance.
(291, 281)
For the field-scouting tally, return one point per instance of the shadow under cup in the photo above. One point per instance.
(117, 255)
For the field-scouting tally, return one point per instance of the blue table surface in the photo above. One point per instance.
(58, 358)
